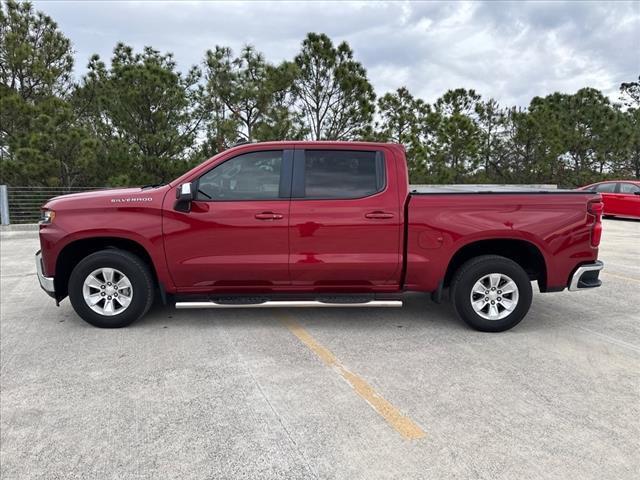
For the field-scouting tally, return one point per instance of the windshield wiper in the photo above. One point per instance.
(205, 194)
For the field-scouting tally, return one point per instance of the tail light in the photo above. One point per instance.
(594, 210)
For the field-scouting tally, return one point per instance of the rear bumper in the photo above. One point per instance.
(46, 283)
(586, 276)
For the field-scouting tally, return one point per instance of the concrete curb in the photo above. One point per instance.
(22, 227)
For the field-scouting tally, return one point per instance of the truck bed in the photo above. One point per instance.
(441, 220)
(483, 189)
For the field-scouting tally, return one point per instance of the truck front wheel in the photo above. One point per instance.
(111, 288)
(491, 293)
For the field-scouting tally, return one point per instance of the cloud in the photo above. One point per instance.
(510, 51)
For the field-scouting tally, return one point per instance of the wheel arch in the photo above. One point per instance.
(523, 252)
(72, 253)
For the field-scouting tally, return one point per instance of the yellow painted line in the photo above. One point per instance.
(621, 277)
(402, 424)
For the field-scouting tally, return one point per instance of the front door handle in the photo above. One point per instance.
(269, 216)
(378, 215)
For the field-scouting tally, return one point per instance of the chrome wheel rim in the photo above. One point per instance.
(494, 296)
(107, 291)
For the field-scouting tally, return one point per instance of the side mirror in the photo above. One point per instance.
(184, 192)
(184, 197)
(637, 192)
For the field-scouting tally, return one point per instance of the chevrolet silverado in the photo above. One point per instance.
(315, 224)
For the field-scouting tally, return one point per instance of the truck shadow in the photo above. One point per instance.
(623, 220)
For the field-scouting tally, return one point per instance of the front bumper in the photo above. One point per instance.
(586, 276)
(46, 283)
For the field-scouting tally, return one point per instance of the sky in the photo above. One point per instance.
(510, 51)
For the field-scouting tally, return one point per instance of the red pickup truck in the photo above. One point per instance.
(314, 224)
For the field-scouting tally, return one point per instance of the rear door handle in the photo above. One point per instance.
(269, 216)
(378, 215)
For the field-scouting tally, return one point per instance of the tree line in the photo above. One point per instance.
(137, 119)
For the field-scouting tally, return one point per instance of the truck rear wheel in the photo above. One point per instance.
(491, 293)
(111, 288)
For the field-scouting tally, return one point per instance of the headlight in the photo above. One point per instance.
(47, 217)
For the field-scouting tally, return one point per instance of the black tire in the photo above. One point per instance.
(130, 265)
(472, 271)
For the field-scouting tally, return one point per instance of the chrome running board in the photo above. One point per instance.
(290, 303)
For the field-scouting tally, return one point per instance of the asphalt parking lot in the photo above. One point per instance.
(323, 393)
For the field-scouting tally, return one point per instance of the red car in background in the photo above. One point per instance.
(621, 198)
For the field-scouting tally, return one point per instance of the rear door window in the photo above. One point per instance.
(629, 188)
(341, 174)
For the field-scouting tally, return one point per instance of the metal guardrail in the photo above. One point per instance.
(23, 203)
(4, 206)
(19, 205)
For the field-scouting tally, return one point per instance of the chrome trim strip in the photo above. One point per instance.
(45, 282)
(575, 278)
(290, 303)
